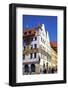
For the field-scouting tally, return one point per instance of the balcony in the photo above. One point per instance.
(28, 51)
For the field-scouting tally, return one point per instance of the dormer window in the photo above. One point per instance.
(29, 32)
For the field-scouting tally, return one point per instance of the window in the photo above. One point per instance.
(23, 56)
(32, 68)
(29, 32)
(31, 39)
(35, 38)
(34, 55)
(24, 47)
(31, 46)
(35, 45)
(31, 56)
(42, 40)
(26, 68)
(24, 40)
(39, 58)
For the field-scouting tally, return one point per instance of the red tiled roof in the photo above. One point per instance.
(54, 45)
(29, 32)
(30, 29)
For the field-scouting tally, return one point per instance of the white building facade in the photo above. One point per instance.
(36, 51)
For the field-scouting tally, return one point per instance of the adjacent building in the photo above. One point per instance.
(54, 56)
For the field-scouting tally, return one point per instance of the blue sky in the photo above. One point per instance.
(50, 23)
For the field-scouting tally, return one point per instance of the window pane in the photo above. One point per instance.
(31, 56)
(35, 45)
(35, 38)
(31, 39)
(34, 55)
(31, 46)
(24, 47)
(23, 56)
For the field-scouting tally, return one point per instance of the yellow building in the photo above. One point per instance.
(53, 59)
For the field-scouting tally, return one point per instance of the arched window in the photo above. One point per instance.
(26, 68)
(32, 68)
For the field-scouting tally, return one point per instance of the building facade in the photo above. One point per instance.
(54, 59)
(37, 56)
